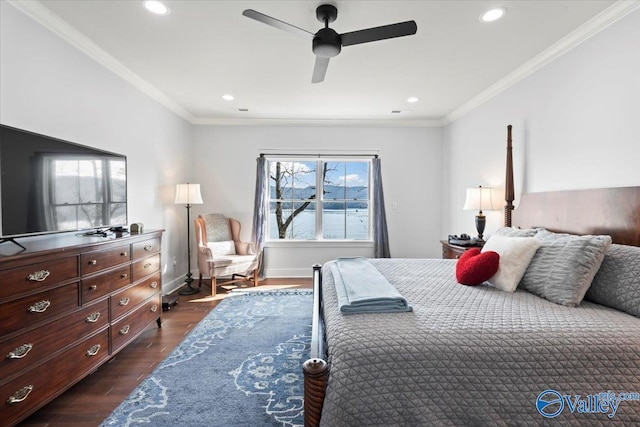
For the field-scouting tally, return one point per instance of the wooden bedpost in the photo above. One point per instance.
(508, 186)
(315, 369)
(315, 382)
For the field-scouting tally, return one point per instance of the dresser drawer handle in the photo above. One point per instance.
(20, 352)
(125, 253)
(147, 265)
(93, 350)
(124, 275)
(125, 330)
(154, 285)
(38, 276)
(93, 287)
(154, 308)
(20, 395)
(93, 262)
(40, 307)
(93, 317)
(148, 248)
(124, 301)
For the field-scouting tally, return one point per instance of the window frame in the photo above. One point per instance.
(319, 199)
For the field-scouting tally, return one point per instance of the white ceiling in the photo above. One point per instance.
(205, 49)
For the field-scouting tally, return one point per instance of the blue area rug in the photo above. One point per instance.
(240, 366)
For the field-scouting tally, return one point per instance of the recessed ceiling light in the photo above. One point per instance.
(493, 14)
(156, 7)
(412, 99)
(227, 97)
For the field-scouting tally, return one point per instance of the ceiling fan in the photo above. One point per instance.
(327, 43)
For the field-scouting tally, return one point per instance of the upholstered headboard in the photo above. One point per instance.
(612, 211)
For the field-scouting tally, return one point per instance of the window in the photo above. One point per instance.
(319, 199)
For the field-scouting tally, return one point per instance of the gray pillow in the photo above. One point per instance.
(516, 232)
(564, 266)
(617, 284)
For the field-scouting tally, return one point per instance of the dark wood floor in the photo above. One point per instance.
(91, 400)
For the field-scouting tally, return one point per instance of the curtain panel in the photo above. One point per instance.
(259, 232)
(380, 233)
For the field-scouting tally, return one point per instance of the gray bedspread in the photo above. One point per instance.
(474, 356)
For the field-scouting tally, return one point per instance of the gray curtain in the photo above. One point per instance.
(258, 235)
(380, 233)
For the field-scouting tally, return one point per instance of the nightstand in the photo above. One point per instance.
(450, 251)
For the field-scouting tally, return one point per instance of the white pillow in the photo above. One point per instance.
(222, 248)
(515, 255)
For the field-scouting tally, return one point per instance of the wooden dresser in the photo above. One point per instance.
(67, 304)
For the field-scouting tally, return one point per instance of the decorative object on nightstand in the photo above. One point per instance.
(479, 199)
(188, 194)
(451, 251)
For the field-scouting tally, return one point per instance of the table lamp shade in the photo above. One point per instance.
(478, 198)
(188, 194)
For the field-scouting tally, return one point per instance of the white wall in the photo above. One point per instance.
(411, 169)
(49, 87)
(576, 125)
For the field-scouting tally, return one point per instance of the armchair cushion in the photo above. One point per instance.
(217, 227)
(227, 247)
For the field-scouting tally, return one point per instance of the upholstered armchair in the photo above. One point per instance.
(221, 253)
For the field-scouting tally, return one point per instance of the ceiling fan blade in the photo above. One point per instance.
(265, 19)
(379, 33)
(319, 69)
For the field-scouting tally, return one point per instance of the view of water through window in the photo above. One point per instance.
(349, 224)
(332, 195)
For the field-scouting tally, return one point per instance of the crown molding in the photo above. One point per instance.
(54, 23)
(613, 13)
(320, 122)
(51, 21)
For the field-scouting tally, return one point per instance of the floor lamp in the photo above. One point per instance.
(188, 194)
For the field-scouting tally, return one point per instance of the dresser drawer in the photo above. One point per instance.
(99, 285)
(22, 395)
(146, 266)
(16, 281)
(29, 310)
(127, 299)
(92, 262)
(145, 248)
(125, 329)
(33, 347)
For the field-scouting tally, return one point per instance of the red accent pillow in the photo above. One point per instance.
(475, 267)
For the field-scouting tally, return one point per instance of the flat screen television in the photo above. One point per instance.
(48, 185)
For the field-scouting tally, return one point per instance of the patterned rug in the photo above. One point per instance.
(240, 366)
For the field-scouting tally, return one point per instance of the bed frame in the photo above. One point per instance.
(612, 211)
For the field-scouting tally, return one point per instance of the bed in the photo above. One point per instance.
(477, 355)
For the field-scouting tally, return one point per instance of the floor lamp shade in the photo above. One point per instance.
(188, 194)
(479, 198)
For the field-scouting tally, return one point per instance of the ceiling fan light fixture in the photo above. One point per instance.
(492, 15)
(326, 43)
(156, 7)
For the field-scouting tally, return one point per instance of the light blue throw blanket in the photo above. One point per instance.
(362, 289)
